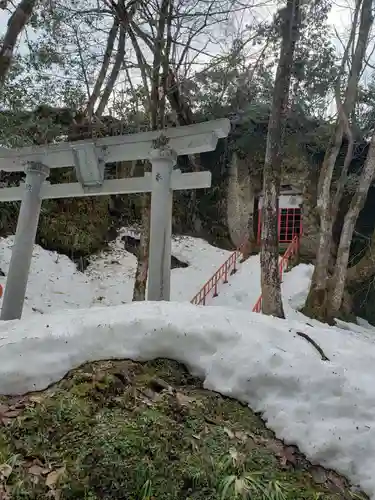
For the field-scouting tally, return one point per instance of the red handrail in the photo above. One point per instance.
(290, 252)
(228, 268)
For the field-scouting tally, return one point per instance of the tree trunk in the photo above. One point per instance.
(316, 303)
(104, 68)
(16, 24)
(119, 60)
(339, 277)
(140, 281)
(269, 257)
(317, 297)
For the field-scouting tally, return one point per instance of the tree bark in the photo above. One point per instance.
(104, 68)
(356, 205)
(16, 24)
(269, 257)
(114, 73)
(140, 281)
(316, 303)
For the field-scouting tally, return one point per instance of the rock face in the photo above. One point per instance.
(244, 185)
(240, 201)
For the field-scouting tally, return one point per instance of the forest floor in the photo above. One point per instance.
(125, 430)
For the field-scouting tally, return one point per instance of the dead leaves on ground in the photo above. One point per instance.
(8, 411)
(285, 454)
(38, 472)
(13, 407)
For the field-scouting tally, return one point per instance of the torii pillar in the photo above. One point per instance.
(22, 252)
(159, 274)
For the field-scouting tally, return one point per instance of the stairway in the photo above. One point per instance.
(212, 287)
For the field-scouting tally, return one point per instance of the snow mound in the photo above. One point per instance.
(326, 408)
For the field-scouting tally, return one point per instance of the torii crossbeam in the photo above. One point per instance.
(89, 158)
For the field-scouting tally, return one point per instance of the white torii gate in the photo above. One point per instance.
(89, 158)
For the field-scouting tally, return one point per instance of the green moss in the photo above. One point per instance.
(121, 430)
(76, 226)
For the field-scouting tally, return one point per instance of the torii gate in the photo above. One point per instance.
(89, 158)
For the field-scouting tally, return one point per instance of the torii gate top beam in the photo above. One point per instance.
(190, 139)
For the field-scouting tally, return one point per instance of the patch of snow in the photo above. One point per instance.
(325, 408)
(243, 287)
(112, 273)
(295, 285)
(55, 282)
(203, 260)
(364, 324)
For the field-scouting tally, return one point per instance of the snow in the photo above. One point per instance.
(55, 283)
(243, 288)
(324, 407)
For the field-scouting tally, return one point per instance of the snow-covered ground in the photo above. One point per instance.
(55, 283)
(324, 407)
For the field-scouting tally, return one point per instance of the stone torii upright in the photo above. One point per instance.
(89, 158)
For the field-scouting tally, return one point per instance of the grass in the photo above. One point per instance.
(122, 430)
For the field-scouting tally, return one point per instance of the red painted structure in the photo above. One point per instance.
(289, 224)
(290, 230)
(221, 275)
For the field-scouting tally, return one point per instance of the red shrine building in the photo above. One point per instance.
(289, 217)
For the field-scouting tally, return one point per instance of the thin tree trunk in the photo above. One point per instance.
(316, 303)
(16, 24)
(269, 257)
(104, 68)
(356, 205)
(140, 281)
(114, 73)
(316, 300)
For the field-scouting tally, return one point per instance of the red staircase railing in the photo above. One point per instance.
(290, 252)
(225, 270)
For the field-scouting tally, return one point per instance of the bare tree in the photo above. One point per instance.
(269, 257)
(328, 203)
(162, 35)
(356, 205)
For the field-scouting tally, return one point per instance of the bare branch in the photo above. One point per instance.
(114, 73)
(104, 68)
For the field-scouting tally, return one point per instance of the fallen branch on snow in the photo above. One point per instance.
(314, 344)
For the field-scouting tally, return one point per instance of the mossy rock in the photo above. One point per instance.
(74, 226)
(122, 430)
